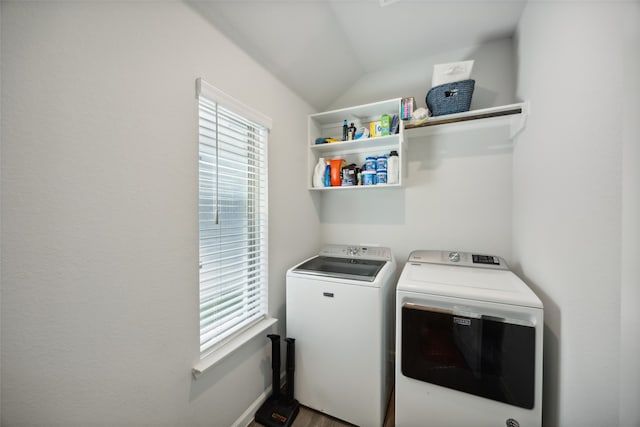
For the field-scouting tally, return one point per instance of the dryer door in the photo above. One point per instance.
(487, 356)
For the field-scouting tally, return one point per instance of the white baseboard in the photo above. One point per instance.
(247, 416)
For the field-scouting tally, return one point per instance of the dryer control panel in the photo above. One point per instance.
(464, 259)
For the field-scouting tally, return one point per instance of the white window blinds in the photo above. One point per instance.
(232, 216)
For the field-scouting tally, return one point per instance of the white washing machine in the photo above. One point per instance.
(340, 311)
(468, 343)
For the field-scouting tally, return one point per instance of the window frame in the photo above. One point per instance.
(223, 347)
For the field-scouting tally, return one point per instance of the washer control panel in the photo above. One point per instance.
(465, 259)
(353, 251)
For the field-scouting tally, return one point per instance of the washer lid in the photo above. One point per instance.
(344, 268)
(481, 284)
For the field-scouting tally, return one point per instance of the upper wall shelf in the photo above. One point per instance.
(329, 124)
(513, 114)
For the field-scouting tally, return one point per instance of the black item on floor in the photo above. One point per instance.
(279, 410)
(450, 98)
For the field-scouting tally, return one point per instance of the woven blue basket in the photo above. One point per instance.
(450, 98)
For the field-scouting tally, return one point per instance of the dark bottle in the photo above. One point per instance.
(352, 132)
(345, 131)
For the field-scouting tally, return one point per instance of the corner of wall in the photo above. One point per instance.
(630, 251)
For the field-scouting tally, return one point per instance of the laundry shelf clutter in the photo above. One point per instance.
(379, 133)
(329, 125)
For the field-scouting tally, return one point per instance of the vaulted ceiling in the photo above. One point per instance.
(320, 48)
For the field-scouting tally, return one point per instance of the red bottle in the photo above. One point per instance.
(336, 172)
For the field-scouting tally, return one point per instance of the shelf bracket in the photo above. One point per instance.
(519, 121)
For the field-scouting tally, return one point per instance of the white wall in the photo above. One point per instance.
(630, 267)
(458, 185)
(575, 197)
(0, 213)
(99, 208)
(493, 71)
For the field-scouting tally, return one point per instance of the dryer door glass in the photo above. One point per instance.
(344, 268)
(481, 355)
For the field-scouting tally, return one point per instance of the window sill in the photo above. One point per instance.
(220, 354)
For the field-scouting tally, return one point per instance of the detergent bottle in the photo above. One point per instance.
(318, 173)
(336, 172)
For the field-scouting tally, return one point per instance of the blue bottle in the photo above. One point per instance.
(327, 176)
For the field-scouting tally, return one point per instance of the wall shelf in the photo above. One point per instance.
(513, 115)
(368, 144)
(356, 187)
(329, 124)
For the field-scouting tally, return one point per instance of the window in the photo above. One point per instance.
(232, 212)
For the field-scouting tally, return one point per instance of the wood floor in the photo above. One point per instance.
(310, 418)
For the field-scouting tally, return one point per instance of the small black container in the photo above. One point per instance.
(350, 175)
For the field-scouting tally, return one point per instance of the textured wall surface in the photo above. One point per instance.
(99, 214)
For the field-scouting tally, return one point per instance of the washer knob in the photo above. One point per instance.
(454, 256)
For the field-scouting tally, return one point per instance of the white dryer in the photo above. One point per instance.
(340, 311)
(468, 343)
